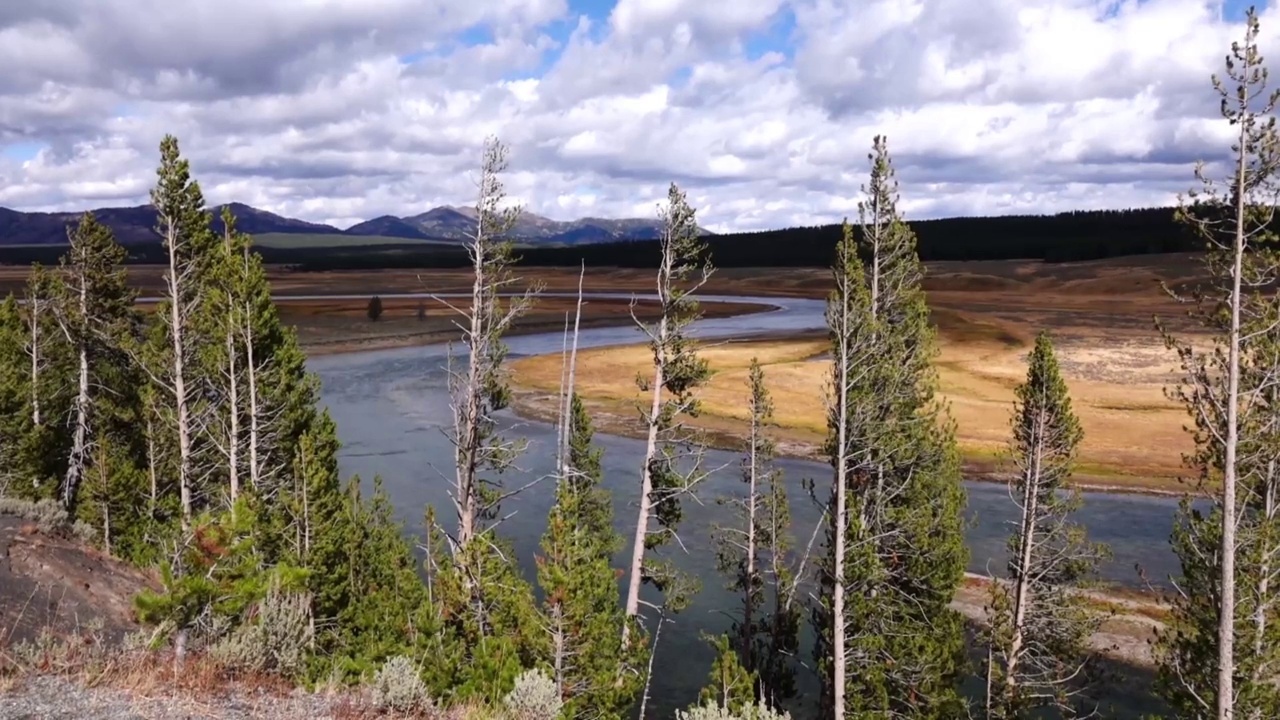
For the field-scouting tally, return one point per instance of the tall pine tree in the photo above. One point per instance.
(753, 553)
(597, 678)
(49, 385)
(178, 369)
(1039, 633)
(94, 307)
(1219, 655)
(889, 643)
(18, 463)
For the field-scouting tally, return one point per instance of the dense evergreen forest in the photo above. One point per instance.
(1080, 235)
(189, 440)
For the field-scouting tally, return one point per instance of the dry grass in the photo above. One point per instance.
(987, 315)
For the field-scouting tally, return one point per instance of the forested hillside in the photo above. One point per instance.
(1080, 235)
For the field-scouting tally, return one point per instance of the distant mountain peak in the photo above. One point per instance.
(133, 225)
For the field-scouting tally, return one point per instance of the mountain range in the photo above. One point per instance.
(136, 225)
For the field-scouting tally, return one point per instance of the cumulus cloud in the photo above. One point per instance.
(763, 110)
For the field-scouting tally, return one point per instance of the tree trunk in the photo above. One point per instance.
(646, 489)
(151, 460)
(1022, 584)
(233, 433)
(106, 521)
(79, 442)
(1227, 613)
(469, 432)
(178, 321)
(842, 525)
(251, 373)
(35, 360)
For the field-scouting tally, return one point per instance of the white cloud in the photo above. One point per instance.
(764, 110)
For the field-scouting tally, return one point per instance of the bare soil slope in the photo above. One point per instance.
(52, 582)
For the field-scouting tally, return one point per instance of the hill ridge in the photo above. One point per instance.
(135, 225)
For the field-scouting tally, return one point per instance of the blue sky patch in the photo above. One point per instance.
(22, 151)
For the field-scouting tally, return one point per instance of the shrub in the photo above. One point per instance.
(275, 641)
(712, 711)
(398, 686)
(48, 515)
(534, 697)
(374, 311)
(84, 531)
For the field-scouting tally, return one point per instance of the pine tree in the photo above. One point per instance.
(596, 678)
(672, 464)
(1039, 634)
(49, 382)
(185, 324)
(94, 308)
(370, 598)
(280, 395)
(1218, 656)
(226, 357)
(18, 464)
(753, 553)
(731, 685)
(888, 641)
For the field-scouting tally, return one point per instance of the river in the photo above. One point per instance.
(392, 408)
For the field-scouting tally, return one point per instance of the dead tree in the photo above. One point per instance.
(480, 389)
(683, 269)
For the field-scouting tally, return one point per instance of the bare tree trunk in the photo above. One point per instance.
(653, 653)
(34, 351)
(80, 439)
(842, 525)
(557, 617)
(572, 368)
(251, 376)
(151, 460)
(646, 486)
(106, 527)
(1226, 620)
(467, 460)
(1022, 585)
(233, 433)
(177, 321)
(179, 650)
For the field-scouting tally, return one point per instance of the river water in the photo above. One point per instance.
(392, 408)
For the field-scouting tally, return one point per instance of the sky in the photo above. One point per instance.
(763, 111)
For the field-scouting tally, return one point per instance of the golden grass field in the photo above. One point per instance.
(987, 315)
